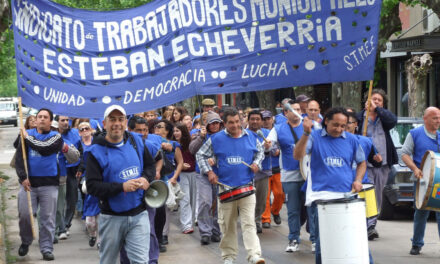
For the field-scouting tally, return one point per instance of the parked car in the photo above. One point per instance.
(8, 111)
(399, 190)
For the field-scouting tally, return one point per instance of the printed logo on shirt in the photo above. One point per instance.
(34, 153)
(334, 162)
(129, 173)
(234, 160)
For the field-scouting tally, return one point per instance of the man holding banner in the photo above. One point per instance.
(42, 182)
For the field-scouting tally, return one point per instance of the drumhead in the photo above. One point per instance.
(304, 166)
(428, 167)
(367, 186)
(351, 199)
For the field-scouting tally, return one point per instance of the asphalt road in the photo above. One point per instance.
(392, 247)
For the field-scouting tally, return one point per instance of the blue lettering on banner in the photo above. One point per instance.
(77, 62)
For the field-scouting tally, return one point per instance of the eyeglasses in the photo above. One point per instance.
(84, 129)
(351, 122)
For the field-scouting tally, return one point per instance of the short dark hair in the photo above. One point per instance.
(333, 111)
(255, 112)
(353, 115)
(47, 110)
(229, 112)
(381, 92)
(136, 120)
(290, 102)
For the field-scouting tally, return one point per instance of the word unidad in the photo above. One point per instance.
(226, 42)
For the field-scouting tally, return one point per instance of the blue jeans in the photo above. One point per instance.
(420, 218)
(311, 215)
(314, 208)
(293, 191)
(133, 232)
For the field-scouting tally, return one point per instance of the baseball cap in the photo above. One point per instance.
(302, 98)
(208, 101)
(113, 108)
(266, 114)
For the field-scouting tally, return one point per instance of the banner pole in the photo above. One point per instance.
(23, 150)
(368, 109)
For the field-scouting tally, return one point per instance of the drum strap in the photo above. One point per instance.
(295, 136)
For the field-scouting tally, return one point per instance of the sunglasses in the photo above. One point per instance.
(84, 129)
(159, 126)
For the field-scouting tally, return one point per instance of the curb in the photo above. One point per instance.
(2, 226)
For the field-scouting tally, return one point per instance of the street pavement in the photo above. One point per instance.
(392, 247)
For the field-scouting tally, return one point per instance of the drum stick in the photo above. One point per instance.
(260, 134)
(224, 185)
(23, 150)
(288, 107)
(368, 109)
(246, 164)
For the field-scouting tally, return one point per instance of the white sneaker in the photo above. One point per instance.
(67, 232)
(63, 236)
(313, 247)
(293, 246)
(257, 260)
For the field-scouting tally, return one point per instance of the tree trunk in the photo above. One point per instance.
(307, 90)
(266, 100)
(4, 13)
(347, 94)
(417, 69)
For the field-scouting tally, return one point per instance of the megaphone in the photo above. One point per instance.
(157, 194)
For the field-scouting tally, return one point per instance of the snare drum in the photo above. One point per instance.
(368, 193)
(304, 166)
(428, 188)
(342, 231)
(236, 193)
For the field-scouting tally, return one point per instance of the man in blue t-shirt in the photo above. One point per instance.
(417, 142)
(73, 175)
(239, 155)
(333, 152)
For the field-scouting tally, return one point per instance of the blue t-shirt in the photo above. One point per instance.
(332, 159)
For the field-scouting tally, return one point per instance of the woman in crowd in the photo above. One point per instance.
(164, 128)
(90, 208)
(187, 179)
(178, 113)
(168, 112)
(31, 122)
(187, 121)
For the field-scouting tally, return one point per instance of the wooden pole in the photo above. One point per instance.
(23, 150)
(368, 109)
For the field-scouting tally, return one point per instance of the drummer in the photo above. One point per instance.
(417, 142)
(231, 147)
(332, 153)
